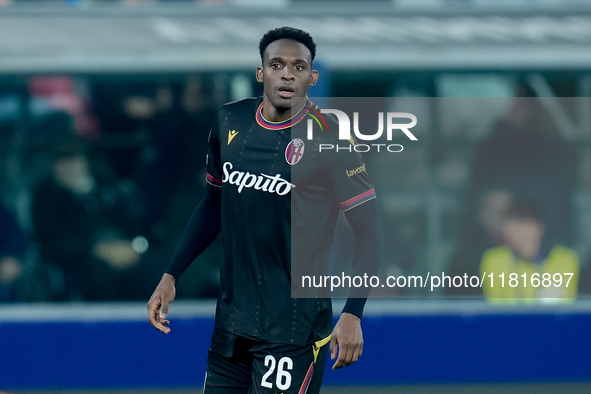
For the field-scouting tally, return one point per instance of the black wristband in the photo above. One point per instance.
(354, 306)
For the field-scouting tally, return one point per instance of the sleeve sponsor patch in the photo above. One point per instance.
(355, 171)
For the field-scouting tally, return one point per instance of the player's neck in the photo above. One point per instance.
(273, 114)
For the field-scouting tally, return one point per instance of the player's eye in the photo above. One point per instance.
(275, 66)
(299, 67)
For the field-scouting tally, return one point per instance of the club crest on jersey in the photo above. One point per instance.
(294, 151)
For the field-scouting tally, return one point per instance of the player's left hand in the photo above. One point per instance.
(347, 334)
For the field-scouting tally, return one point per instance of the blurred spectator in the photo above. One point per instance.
(13, 243)
(524, 253)
(523, 157)
(175, 178)
(155, 136)
(166, 129)
(167, 162)
(83, 229)
(63, 94)
(526, 157)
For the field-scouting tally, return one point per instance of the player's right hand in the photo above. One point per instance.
(159, 302)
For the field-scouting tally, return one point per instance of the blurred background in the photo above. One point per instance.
(105, 108)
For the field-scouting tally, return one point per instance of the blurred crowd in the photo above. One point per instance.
(110, 188)
(93, 204)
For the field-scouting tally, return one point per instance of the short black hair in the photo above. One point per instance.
(290, 33)
(524, 209)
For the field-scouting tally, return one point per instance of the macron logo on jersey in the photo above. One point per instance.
(266, 183)
(231, 135)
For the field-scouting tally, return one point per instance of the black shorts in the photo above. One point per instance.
(239, 365)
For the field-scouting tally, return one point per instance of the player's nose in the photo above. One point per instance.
(287, 74)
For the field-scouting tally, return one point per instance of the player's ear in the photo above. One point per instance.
(313, 78)
(259, 74)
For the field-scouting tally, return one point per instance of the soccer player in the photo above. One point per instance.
(275, 198)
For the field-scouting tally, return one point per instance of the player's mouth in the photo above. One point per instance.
(286, 91)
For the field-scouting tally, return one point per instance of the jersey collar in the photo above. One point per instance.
(286, 123)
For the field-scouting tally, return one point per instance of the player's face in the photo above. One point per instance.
(286, 73)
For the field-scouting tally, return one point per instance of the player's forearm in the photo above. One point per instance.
(369, 246)
(203, 227)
